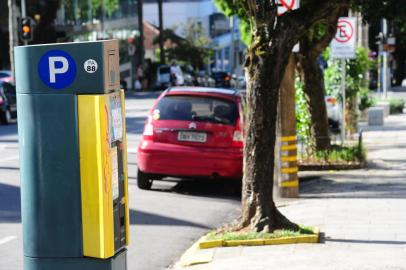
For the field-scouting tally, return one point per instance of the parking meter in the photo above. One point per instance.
(73, 159)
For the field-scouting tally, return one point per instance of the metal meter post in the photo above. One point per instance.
(73, 159)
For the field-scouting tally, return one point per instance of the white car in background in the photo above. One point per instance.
(333, 113)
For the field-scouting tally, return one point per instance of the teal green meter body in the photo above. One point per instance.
(73, 159)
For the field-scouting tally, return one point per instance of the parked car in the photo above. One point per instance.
(6, 76)
(192, 132)
(333, 113)
(163, 77)
(8, 102)
(222, 79)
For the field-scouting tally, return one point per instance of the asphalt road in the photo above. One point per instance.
(164, 221)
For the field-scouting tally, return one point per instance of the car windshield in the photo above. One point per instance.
(219, 75)
(200, 109)
(164, 70)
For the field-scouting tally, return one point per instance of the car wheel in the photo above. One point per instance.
(144, 180)
(5, 117)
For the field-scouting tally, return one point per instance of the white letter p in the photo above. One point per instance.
(53, 70)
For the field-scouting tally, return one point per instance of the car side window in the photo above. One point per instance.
(8, 89)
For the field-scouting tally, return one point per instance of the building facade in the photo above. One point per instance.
(178, 13)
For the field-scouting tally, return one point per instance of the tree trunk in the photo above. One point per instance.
(12, 29)
(264, 70)
(311, 47)
(273, 41)
(314, 90)
(351, 115)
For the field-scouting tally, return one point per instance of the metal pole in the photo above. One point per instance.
(23, 9)
(102, 19)
(161, 27)
(24, 14)
(343, 75)
(385, 60)
(232, 49)
(140, 48)
(385, 75)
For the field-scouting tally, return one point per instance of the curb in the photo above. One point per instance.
(194, 255)
(202, 251)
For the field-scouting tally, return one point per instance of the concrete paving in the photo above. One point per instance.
(361, 215)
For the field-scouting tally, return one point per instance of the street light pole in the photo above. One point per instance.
(140, 44)
(161, 39)
(24, 14)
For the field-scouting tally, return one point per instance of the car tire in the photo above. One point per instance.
(144, 180)
(5, 117)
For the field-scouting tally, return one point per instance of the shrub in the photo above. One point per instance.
(365, 100)
(396, 105)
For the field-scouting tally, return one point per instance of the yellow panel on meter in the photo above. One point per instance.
(103, 171)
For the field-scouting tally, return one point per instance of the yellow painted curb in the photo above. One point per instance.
(203, 250)
(192, 256)
(303, 239)
(211, 244)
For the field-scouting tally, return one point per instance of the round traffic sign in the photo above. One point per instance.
(345, 31)
(131, 49)
(285, 6)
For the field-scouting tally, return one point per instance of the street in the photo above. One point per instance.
(164, 221)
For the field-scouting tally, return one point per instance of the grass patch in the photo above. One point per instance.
(227, 236)
(338, 154)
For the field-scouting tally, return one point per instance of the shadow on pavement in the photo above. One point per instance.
(9, 168)
(143, 218)
(220, 188)
(10, 205)
(210, 188)
(328, 188)
(384, 242)
(142, 95)
(10, 129)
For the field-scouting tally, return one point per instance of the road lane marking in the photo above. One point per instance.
(9, 158)
(7, 239)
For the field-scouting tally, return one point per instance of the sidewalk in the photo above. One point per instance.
(361, 213)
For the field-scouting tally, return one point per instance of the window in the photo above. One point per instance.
(199, 109)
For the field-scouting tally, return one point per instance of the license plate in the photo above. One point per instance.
(192, 136)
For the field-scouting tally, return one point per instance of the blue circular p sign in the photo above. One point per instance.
(57, 69)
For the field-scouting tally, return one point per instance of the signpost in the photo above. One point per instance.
(343, 47)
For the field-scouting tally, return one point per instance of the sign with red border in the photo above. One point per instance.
(343, 44)
(287, 5)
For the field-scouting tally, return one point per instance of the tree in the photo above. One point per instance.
(273, 39)
(316, 40)
(193, 49)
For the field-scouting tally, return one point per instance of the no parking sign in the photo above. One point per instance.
(287, 5)
(343, 44)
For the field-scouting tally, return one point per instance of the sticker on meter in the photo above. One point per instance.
(90, 66)
(114, 173)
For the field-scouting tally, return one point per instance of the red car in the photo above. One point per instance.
(192, 132)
